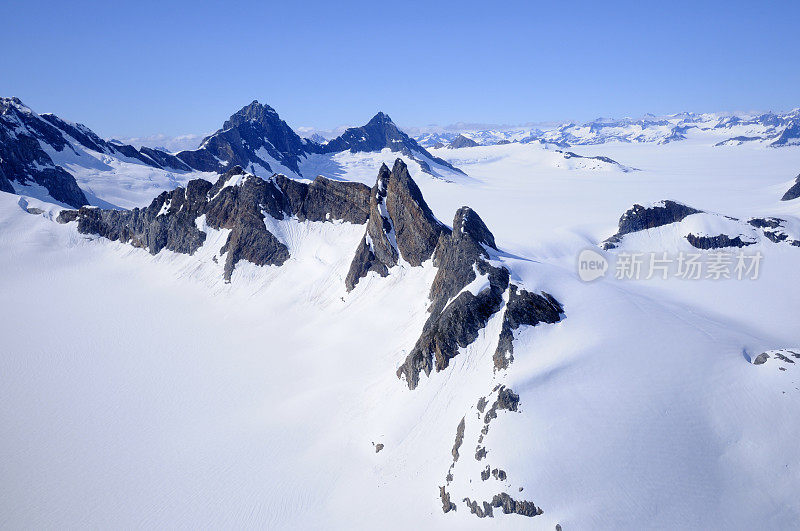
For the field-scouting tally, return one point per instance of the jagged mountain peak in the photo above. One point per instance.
(256, 138)
(400, 225)
(380, 119)
(468, 222)
(382, 133)
(13, 102)
(256, 112)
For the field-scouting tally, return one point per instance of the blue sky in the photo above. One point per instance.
(140, 68)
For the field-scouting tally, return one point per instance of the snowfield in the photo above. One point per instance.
(143, 391)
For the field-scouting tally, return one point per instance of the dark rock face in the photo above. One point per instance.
(506, 400)
(400, 225)
(766, 223)
(416, 228)
(22, 159)
(170, 220)
(244, 138)
(504, 502)
(459, 439)
(639, 218)
(380, 133)
(145, 228)
(325, 199)
(447, 505)
(774, 229)
(165, 160)
(716, 242)
(793, 192)
(790, 136)
(523, 308)
(511, 506)
(5, 184)
(457, 316)
(85, 136)
(461, 142)
(456, 326)
(481, 511)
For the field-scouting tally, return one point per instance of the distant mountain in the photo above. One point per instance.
(790, 136)
(793, 192)
(381, 133)
(255, 138)
(53, 159)
(50, 158)
(461, 142)
(773, 129)
(24, 162)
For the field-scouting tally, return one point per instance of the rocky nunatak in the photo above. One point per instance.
(170, 222)
(469, 287)
(401, 226)
(639, 218)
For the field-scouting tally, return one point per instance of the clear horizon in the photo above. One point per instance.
(181, 69)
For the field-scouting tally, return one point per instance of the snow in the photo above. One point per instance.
(117, 181)
(144, 391)
(363, 166)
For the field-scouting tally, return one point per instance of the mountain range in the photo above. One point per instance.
(50, 157)
(773, 129)
(282, 332)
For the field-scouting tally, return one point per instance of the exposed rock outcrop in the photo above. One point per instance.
(793, 192)
(640, 218)
(457, 314)
(400, 225)
(237, 201)
(467, 289)
(447, 505)
(504, 502)
(717, 242)
(523, 308)
(459, 439)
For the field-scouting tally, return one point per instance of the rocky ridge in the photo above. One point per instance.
(238, 201)
(471, 283)
(793, 192)
(640, 218)
(24, 161)
(254, 138)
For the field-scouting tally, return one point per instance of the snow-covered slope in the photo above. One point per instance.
(50, 158)
(143, 390)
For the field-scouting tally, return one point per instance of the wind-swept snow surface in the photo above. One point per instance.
(145, 391)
